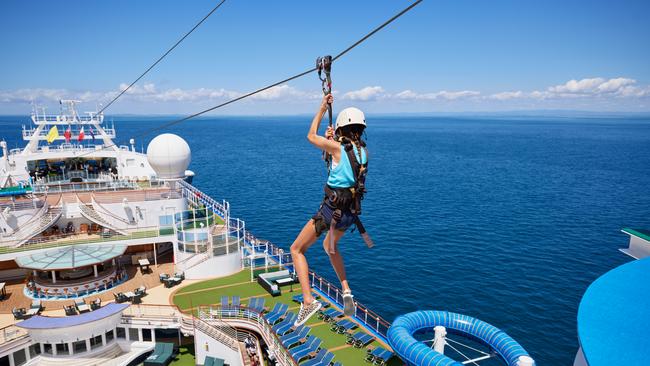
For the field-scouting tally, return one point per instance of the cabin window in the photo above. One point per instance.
(20, 357)
(62, 349)
(47, 348)
(34, 350)
(146, 335)
(121, 333)
(79, 347)
(95, 342)
(109, 336)
(133, 334)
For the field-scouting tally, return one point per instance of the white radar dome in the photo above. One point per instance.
(169, 156)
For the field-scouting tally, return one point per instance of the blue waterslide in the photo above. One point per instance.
(416, 353)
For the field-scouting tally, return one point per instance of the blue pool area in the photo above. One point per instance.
(613, 318)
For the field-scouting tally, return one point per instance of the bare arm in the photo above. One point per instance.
(330, 146)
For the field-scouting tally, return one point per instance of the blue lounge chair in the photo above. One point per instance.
(299, 298)
(324, 357)
(278, 311)
(235, 301)
(316, 360)
(291, 339)
(312, 345)
(363, 340)
(343, 326)
(224, 302)
(330, 314)
(383, 357)
(304, 350)
(257, 304)
(260, 304)
(285, 326)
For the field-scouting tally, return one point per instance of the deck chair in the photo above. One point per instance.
(293, 338)
(286, 325)
(303, 351)
(330, 314)
(382, 358)
(276, 314)
(236, 301)
(316, 360)
(363, 340)
(322, 358)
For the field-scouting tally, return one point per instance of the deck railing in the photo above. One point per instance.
(11, 332)
(250, 315)
(368, 317)
(55, 241)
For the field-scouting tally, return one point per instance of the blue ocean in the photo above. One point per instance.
(506, 219)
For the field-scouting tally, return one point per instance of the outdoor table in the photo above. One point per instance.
(129, 294)
(3, 290)
(144, 264)
(31, 312)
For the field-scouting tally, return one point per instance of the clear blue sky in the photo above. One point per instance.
(443, 56)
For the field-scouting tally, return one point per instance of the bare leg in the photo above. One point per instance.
(336, 259)
(305, 239)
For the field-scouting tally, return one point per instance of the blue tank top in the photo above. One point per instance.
(341, 174)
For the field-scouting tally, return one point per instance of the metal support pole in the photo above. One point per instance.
(439, 339)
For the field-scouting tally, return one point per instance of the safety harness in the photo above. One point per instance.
(349, 199)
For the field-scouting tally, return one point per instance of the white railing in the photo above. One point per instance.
(242, 313)
(12, 332)
(169, 314)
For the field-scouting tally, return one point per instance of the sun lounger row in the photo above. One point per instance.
(257, 304)
(300, 352)
(298, 335)
(276, 313)
(330, 314)
(285, 326)
(343, 326)
(379, 356)
(323, 358)
(360, 339)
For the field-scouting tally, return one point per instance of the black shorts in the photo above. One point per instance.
(323, 219)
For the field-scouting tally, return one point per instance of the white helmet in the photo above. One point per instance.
(350, 116)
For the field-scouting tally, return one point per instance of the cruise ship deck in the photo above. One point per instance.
(201, 295)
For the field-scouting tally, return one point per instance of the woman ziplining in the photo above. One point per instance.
(342, 203)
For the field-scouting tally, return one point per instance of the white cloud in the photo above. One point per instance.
(576, 93)
(508, 95)
(365, 94)
(444, 94)
(285, 92)
(578, 86)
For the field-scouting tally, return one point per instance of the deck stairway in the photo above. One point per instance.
(43, 219)
(88, 212)
(108, 214)
(102, 357)
(217, 330)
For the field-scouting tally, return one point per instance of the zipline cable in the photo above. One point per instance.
(299, 75)
(163, 56)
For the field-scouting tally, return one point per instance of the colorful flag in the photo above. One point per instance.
(68, 134)
(92, 133)
(52, 135)
(81, 135)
